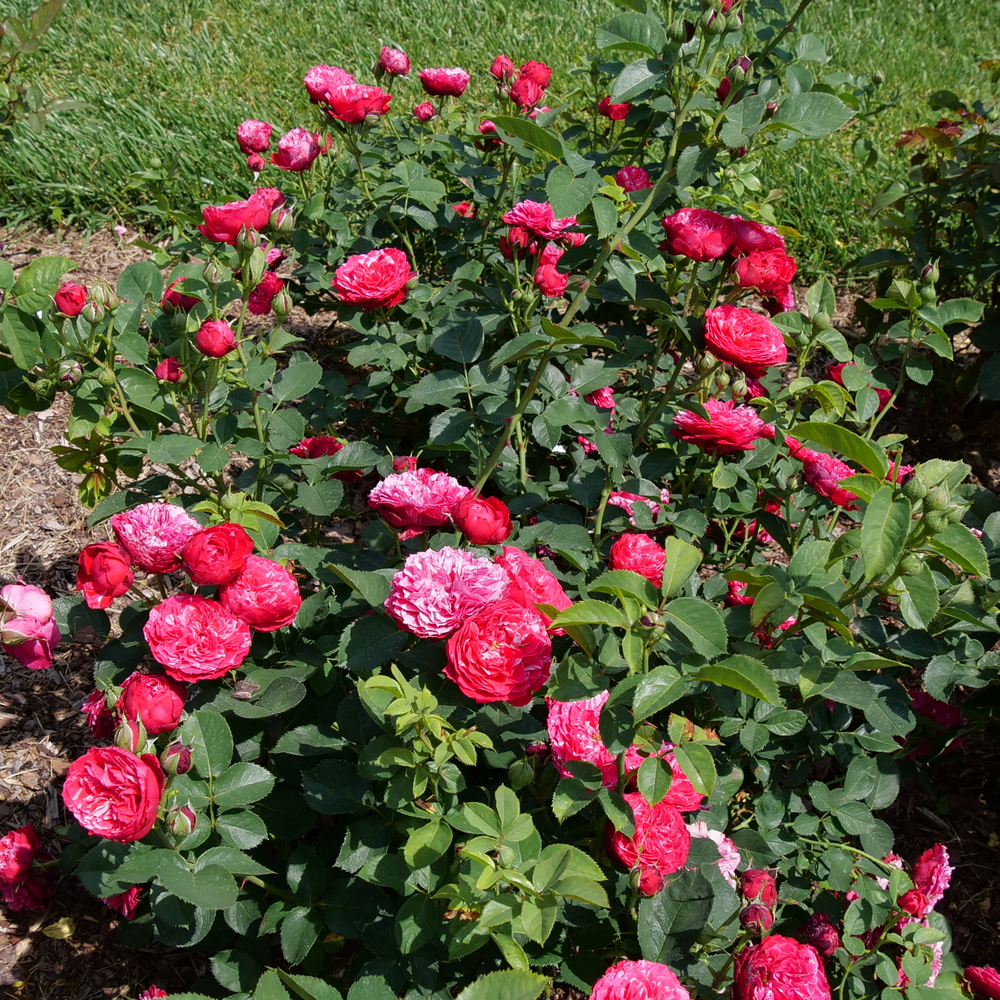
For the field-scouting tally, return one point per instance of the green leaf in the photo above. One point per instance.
(671, 921)
(658, 690)
(745, 674)
(571, 795)
(142, 389)
(693, 163)
(653, 779)
(700, 623)
(534, 135)
(211, 742)
(235, 862)
(321, 499)
(20, 333)
(38, 282)
(297, 380)
(883, 531)
(308, 987)
(172, 449)
(606, 218)
(300, 930)
(210, 888)
(370, 642)
(812, 114)
(591, 613)
(627, 582)
(583, 889)
(682, 560)
(960, 546)
(918, 599)
(427, 843)
(461, 339)
(697, 762)
(241, 784)
(510, 984)
(636, 78)
(538, 917)
(373, 587)
(333, 788)
(569, 194)
(269, 987)
(417, 922)
(633, 33)
(241, 829)
(140, 285)
(866, 453)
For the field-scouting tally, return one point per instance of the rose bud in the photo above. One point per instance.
(168, 370)
(176, 759)
(821, 934)
(424, 112)
(757, 884)
(155, 700)
(404, 463)
(105, 572)
(131, 735)
(539, 750)
(650, 882)
(484, 521)
(176, 301)
(182, 820)
(153, 993)
(216, 554)
(69, 372)
(756, 919)
(502, 68)
(395, 62)
(914, 902)
(70, 298)
(215, 338)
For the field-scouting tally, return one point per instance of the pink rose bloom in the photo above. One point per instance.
(99, 717)
(378, 279)
(731, 430)
(550, 281)
(779, 969)
(729, 853)
(436, 591)
(750, 236)
(820, 932)
(735, 595)
(320, 80)
(113, 793)
(538, 220)
(25, 600)
(354, 103)
(223, 223)
(423, 112)
(488, 129)
(620, 498)
(445, 82)
(604, 398)
(698, 233)
(126, 903)
(661, 840)
(502, 68)
(932, 874)
(413, 501)
(631, 179)
(640, 554)
(575, 734)
(639, 980)
(823, 472)
(31, 642)
(154, 699)
(298, 148)
(153, 535)
(262, 297)
(501, 653)
(616, 112)
(768, 272)
(744, 339)
(215, 338)
(395, 62)
(531, 583)
(265, 595)
(983, 981)
(196, 639)
(253, 136)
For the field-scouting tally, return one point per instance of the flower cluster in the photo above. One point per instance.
(533, 229)
(525, 86)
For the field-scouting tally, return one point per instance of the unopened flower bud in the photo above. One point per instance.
(131, 735)
(734, 21)
(182, 820)
(938, 498)
(521, 773)
(677, 31)
(282, 304)
(93, 312)
(878, 78)
(106, 378)
(179, 321)
(176, 759)
(756, 919)
(740, 70)
(820, 932)
(936, 520)
(69, 372)
(713, 23)
(246, 242)
(915, 489)
(758, 885)
(281, 220)
(955, 514)
(721, 378)
(540, 751)
(912, 564)
(821, 321)
(738, 389)
(647, 881)
(99, 293)
(212, 274)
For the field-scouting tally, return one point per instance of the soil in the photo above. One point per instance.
(42, 730)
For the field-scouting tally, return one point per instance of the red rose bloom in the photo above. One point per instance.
(378, 279)
(758, 884)
(525, 92)
(265, 595)
(105, 572)
(126, 903)
(616, 112)
(640, 980)
(531, 584)
(697, 233)
(537, 71)
(70, 298)
(353, 103)
(483, 520)
(983, 981)
(661, 842)
(320, 80)
(445, 82)
(253, 136)
(731, 429)
(424, 111)
(631, 179)
(216, 554)
(465, 209)
(744, 339)
(155, 700)
(223, 223)
(21, 887)
(550, 281)
(176, 301)
(99, 718)
(836, 374)
(168, 370)
(780, 969)
(529, 219)
(153, 993)
(750, 236)
(820, 932)
(640, 554)
(196, 639)
(502, 68)
(215, 338)
(262, 297)
(395, 62)
(823, 473)
(767, 272)
(502, 653)
(298, 148)
(113, 793)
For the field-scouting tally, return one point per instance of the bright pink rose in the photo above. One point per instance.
(153, 535)
(378, 279)
(758, 884)
(536, 71)
(639, 980)
(264, 594)
(153, 993)
(661, 840)
(262, 297)
(575, 735)
(256, 162)
(765, 271)
(538, 219)
(735, 595)
(99, 717)
(354, 103)
(780, 969)
(550, 281)
(620, 498)
(168, 370)
(25, 600)
(551, 253)
(983, 981)
(104, 573)
(253, 136)
(445, 82)
(223, 223)
(836, 374)
(436, 591)
(70, 298)
(215, 338)
(501, 653)
(154, 699)
(424, 111)
(413, 501)
(732, 429)
(914, 902)
(317, 447)
(216, 554)
(750, 236)
(932, 874)
(744, 339)
(483, 520)
(698, 233)
(616, 112)
(126, 903)
(176, 301)
(113, 793)
(823, 473)
(395, 62)
(531, 584)
(298, 148)
(488, 129)
(465, 209)
(631, 179)
(320, 80)
(31, 642)
(525, 92)
(640, 554)
(820, 932)
(502, 68)
(196, 639)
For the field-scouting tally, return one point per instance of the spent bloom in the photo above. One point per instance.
(153, 535)
(932, 874)
(413, 501)
(729, 853)
(126, 903)
(626, 501)
(823, 473)
(820, 932)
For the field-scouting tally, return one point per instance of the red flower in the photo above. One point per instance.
(353, 103)
(756, 919)
(780, 969)
(631, 179)
(744, 339)
(70, 298)
(749, 236)
(113, 793)
(502, 68)
(215, 338)
(535, 219)
(223, 223)
(395, 62)
(153, 993)
(99, 717)
(253, 136)
(320, 80)
(758, 884)
(404, 463)
(216, 554)
(298, 148)
(536, 71)
(174, 300)
(501, 653)
(983, 981)
(661, 840)
(265, 595)
(412, 501)
(641, 979)
(616, 112)
(820, 932)
(317, 447)
(768, 272)
(21, 887)
(532, 584)
(730, 430)
(483, 520)
(424, 112)
(932, 874)
(154, 699)
(525, 92)
(378, 279)
(550, 281)
(445, 82)
(697, 233)
(126, 903)
(823, 473)
(465, 209)
(640, 554)
(735, 596)
(914, 902)
(262, 297)
(104, 573)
